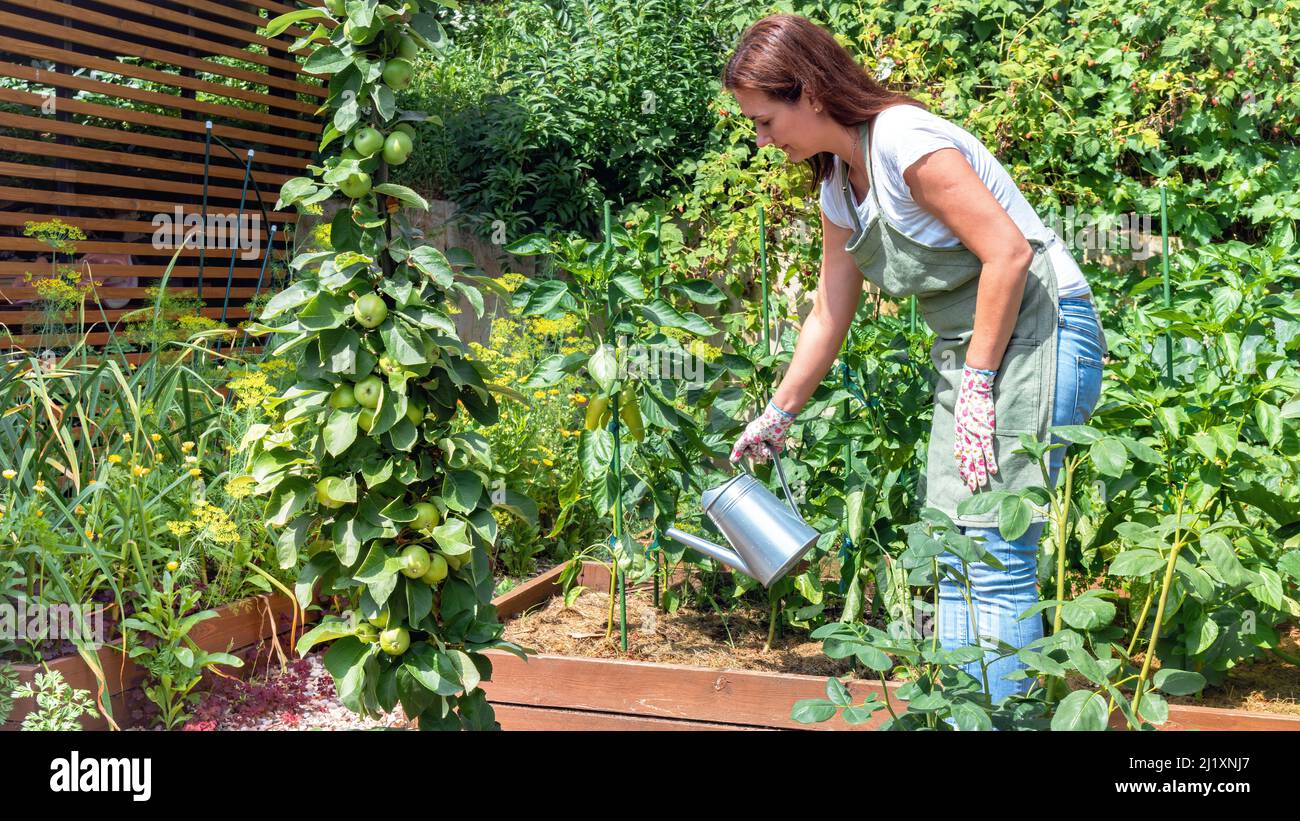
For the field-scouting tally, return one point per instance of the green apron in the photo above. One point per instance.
(945, 282)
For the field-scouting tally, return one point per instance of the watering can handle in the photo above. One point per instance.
(780, 472)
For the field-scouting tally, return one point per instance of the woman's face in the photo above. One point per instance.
(791, 127)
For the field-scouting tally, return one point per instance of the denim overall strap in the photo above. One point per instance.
(945, 282)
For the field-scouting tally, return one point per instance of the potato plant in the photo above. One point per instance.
(375, 498)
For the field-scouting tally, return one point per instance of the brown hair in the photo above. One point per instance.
(786, 55)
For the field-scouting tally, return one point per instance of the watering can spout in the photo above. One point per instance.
(708, 548)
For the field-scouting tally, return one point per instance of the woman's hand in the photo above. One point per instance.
(975, 423)
(764, 436)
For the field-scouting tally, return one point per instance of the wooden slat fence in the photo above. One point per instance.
(104, 106)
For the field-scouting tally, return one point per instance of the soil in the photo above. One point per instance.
(701, 638)
(1266, 685)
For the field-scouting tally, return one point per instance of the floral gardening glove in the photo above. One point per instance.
(975, 423)
(764, 436)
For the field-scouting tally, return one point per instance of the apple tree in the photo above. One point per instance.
(371, 491)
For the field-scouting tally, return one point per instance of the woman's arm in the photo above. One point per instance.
(839, 291)
(945, 185)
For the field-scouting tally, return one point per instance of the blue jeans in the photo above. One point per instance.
(1000, 596)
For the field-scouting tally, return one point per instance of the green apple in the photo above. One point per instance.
(406, 128)
(367, 164)
(355, 186)
(397, 148)
(326, 486)
(414, 410)
(457, 562)
(397, 73)
(367, 633)
(395, 642)
(370, 310)
(380, 619)
(366, 419)
(368, 140)
(407, 48)
(437, 570)
(343, 398)
(415, 561)
(360, 35)
(426, 516)
(368, 391)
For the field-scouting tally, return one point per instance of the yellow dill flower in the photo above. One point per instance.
(534, 461)
(539, 394)
(547, 462)
(207, 522)
(580, 399)
(139, 470)
(40, 513)
(115, 459)
(189, 460)
(156, 437)
(78, 510)
(173, 565)
(90, 534)
(126, 437)
(10, 473)
(39, 487)
(195, 472)
(554, 391)
(187, 446)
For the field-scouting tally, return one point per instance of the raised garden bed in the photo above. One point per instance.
(591, 685)
(242, 628)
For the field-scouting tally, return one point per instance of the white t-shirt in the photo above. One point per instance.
(903, 134)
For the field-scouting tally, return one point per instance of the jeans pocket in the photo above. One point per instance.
(1087, 388)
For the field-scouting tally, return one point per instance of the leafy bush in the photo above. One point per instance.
(538, 136)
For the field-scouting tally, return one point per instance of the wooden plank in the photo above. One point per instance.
(43, 125)
(114, 292)
(95, 316)
(162, 13)
(145, 249)
(119, 203)
(237, 14)
(115, 45)
(129, 115)
(79, 60)
(146, 161)
(152, 271)
(21, 218)
(168, 34)
(158, 98)
(519, 718)
(72, 177)
(673, 691)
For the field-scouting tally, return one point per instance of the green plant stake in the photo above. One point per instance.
(911, 322)
(617, 465)
(1164, 270)
(762, 267)
(654, 544)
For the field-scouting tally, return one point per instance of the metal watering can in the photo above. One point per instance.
(768, 537)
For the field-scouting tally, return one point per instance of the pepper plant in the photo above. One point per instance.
(375, 499)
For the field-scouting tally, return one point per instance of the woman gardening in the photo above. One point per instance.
(920, 207)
